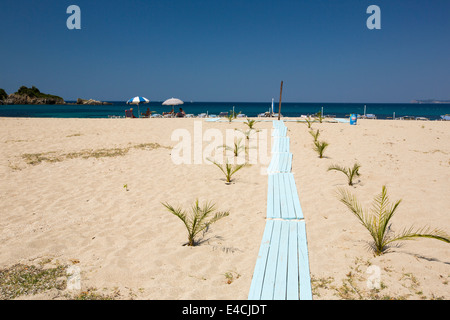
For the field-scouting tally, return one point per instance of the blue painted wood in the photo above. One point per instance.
(282, 266)
(290, 195)
(271, 267)
(280, 144)
(282, 263)
(283, 196)
(293, 288)
(276, 197)
(304, 276)
(270, 168)
(275, 146)
(295, 199)
(284, 164)
(270, 197)
(285, 148)
(260, 266)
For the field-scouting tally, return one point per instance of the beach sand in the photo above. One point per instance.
(59, 204)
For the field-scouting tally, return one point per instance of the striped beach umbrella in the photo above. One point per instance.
(137, 100)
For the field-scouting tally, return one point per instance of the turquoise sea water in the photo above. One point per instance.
(251, 109)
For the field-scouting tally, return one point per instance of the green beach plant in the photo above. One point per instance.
(228, 169)
(319, 116)
(237, 147)
(233, 115)
(377, 221)
(198, 219)
(315, 135)
(248, 133)
(308, 122)
(320, 147)
(349, 172)
(250, 123)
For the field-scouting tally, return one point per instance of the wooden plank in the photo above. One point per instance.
(286, 162)
(286, 145)
(282, 263)
(272, 164)
(276, 196)
(269, 169)
(285, 165)
(260, 266)
(271, 266)
(295, 199)
(290, 197)
(280, 144)
(270, 199)
(276, 145)
(283, 197)
(304, 275)
(277, 158)
(292, 289)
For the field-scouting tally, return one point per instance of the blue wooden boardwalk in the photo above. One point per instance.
(282, 267)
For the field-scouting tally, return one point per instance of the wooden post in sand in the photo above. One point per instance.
(279, 106)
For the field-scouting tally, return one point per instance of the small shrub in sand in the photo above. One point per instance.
(377, 222)
(197, 220)
(315, 134)
(237, 147)
(319, 147)
(349, 172)
(250, 123)
(228, 169)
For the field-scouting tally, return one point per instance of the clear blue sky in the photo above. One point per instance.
(228, 50)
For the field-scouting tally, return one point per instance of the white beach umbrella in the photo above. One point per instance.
(137, 100)
(172, 102)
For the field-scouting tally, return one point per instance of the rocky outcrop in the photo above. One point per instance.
(92, 102)
(30, 96)
(22, 99)
(33, 96)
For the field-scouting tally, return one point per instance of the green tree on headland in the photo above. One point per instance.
(3, 94)
(34, 92)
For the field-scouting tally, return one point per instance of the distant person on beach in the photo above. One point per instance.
(181, 113)
(147, 113)
(131, 111)
(167, 113)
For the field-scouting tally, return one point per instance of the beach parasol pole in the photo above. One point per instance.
(279, 105)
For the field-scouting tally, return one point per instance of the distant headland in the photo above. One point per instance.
(34, 96)
(430, 101)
